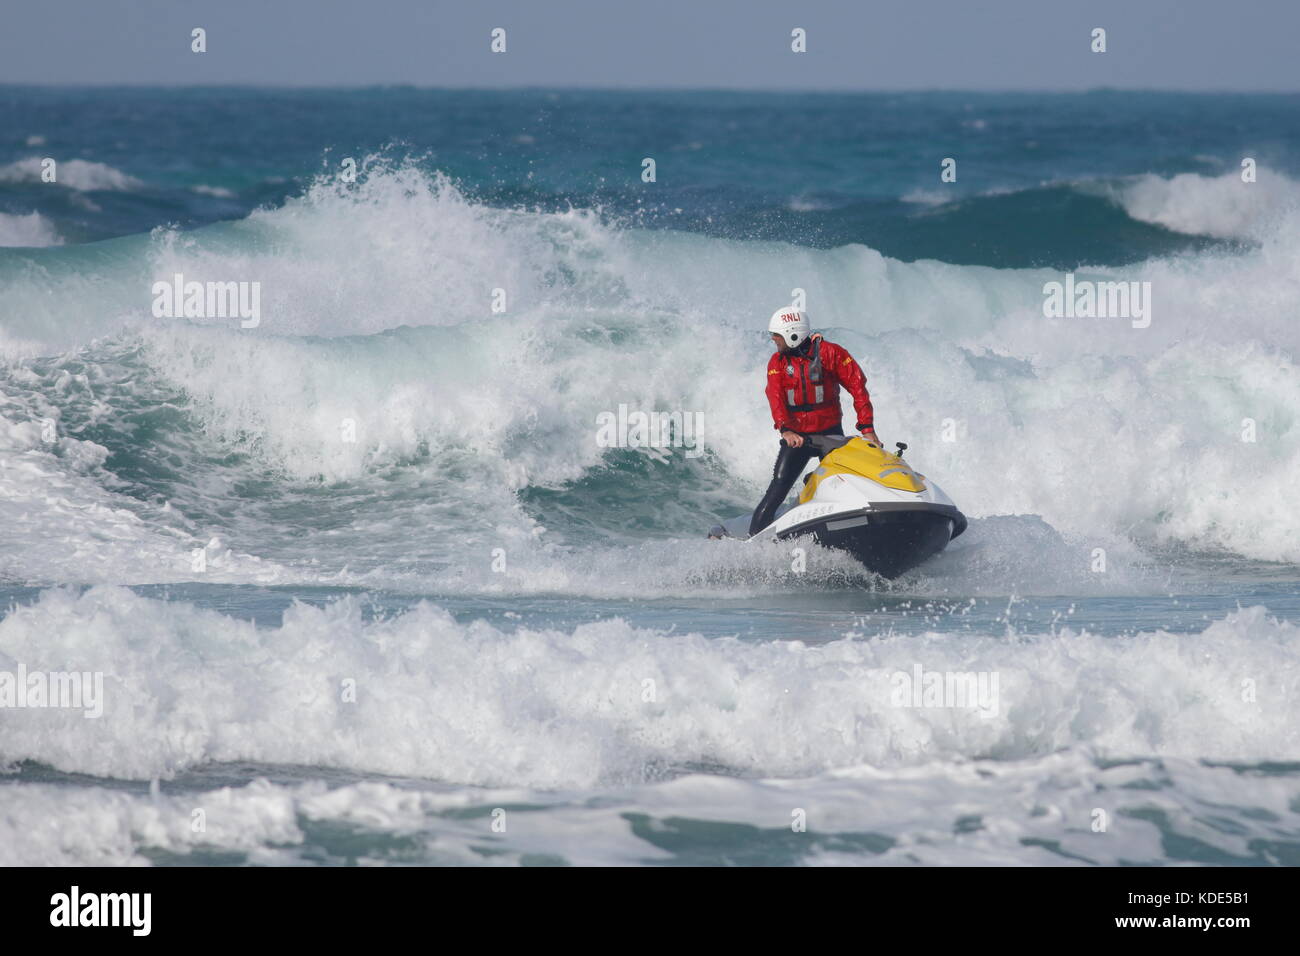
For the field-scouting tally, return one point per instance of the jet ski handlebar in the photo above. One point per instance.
(824, 444)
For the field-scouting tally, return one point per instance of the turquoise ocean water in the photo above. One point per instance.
(437, 622)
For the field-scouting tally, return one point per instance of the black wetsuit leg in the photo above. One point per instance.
(790, 463)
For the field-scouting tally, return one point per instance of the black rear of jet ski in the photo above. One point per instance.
(888, 542)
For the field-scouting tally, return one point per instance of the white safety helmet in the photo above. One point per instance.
(791, 324)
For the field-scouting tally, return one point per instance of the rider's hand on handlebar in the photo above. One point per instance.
(870, 435)
(793, 439)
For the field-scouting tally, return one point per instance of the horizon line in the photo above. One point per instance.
(546, 88)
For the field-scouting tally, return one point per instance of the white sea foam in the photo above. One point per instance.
(927, 197)
(31, 229)
(1062, 809)
(1222, 206)
(80, 174)
(64, 521)
(606, 703)
(1105, 432)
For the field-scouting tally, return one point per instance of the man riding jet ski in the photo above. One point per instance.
(804, 376)
(861, 499)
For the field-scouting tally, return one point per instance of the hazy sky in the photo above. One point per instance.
(745, 44)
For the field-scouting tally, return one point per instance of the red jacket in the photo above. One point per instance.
(804, 401)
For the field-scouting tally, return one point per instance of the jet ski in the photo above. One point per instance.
(866, 501)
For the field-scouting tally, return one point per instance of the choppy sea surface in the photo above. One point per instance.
(361, 584)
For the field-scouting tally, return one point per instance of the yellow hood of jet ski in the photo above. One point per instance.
(859, 457)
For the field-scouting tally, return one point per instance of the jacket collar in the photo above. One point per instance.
(800, 350)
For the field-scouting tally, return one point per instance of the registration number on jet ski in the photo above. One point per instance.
(805, 513)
